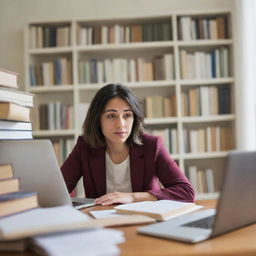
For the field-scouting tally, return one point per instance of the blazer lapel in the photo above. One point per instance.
(137, 167)
(98, 170)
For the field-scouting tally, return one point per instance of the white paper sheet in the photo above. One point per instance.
(92, 242)
(102, 214)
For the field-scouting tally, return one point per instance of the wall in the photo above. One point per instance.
(15, 14)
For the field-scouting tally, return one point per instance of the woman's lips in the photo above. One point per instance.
(120, 133)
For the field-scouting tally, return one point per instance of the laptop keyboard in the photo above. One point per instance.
(205, 223)
(81, 201)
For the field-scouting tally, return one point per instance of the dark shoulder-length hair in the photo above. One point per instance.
(92, 132)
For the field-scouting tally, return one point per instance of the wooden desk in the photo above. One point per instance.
(240, 242)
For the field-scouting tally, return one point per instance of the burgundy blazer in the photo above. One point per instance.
(149, 163)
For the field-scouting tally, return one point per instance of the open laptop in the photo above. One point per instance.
(236, 206)
(35, 163)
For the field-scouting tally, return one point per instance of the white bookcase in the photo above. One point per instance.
(181, 43)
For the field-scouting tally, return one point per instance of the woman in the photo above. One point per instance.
(119, 163)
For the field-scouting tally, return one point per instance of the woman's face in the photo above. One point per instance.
(116, 121)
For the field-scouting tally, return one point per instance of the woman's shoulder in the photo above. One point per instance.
(149, 146)
(80, 141)
(83, 146)
(149, 139)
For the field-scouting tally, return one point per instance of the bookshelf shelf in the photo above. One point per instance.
(51, 133)
(161, 120)
(202, 119)
(206, 155)
(207, 196)
(204, 42)
(53, 88)
(53, 50)
(192, 82)
(154, 66)
(175, 157)
(124, 46)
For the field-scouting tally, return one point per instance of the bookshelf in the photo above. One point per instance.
(181, 61)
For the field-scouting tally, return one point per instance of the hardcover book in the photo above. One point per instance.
(15, 96)
(15, 126)
(6, 171)
(15, 135)
(8, 78)
(12, 111)
(17, 202)
(9, 185)
(159, 210)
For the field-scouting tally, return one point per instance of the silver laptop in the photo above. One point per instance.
(35, 163)
(236, 206)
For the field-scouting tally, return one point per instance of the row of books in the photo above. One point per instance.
(192, 28)
(14, 108)
(116, 34)
(48, 36)
(58, 72)
(202, 180)
(126, 70)
(208, 139)
(206, 100)
(189, 28)
(203, 65)
(55, 116)
(169, 137)
(160, 106)
(62, 149)
(41, 116)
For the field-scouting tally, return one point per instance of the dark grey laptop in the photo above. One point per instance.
(34, 162)
(236, 206)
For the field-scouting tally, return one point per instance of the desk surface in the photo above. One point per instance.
(239, 242)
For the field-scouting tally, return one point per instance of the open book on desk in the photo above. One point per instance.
(160, 210)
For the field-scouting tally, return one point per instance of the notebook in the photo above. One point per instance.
(236, 206)
(35, 163)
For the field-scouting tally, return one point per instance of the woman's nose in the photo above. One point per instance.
(121, 122)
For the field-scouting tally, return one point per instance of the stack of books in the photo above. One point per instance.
(13, 201)
(14, 108)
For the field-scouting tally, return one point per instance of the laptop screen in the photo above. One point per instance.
(237, 205)
(34, 162)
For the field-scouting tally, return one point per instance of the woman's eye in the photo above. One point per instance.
(110, 116)
(128, 115)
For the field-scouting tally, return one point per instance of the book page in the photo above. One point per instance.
(196, 207)
(159, 207)
(102, 214)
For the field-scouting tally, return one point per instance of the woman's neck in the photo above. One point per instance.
(118, 153)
